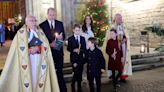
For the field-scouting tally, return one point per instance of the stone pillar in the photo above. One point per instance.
(38, 8)
(59, 9)
(29, 7)
(67, 15)
(45, 4)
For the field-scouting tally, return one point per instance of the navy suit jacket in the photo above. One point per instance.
(73, 44)
(59, 28)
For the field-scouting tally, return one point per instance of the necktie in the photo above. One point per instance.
(77, 39)
(51, 25)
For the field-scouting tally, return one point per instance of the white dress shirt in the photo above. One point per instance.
(77, 37)
(89, 32)
(51, 23)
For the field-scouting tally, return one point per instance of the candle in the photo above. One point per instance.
(79, 48)
(66, 42)
(79, 45)
(115, 52)
(142, 48)
(56, 34)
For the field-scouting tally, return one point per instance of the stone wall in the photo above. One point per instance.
(140, 14)
(67, 16)
(70, 13)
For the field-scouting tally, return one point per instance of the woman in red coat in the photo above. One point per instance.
(115, 57)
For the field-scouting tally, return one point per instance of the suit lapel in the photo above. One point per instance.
(48, 31)
(57, 27)
(80, 40)
(55, 24)
(74, 40)
(48, 26)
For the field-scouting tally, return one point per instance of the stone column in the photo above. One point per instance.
(29, 7)
(45, 5)
(38, 8)
(67, 15)
(59, 9)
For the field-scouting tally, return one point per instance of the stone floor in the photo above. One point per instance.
(143, 81)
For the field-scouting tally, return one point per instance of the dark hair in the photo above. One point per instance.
(113, 30)
(84, 27)
(93, 40)
(76, 25)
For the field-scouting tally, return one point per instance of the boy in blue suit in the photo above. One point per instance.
(77, 48)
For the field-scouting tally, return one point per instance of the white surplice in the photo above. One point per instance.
(34, 60)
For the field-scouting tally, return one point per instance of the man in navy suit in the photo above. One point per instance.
(54, 30)
(77, 48)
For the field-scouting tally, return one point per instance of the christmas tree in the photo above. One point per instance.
(98, 10)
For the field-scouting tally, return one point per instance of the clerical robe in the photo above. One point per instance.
(24, 72)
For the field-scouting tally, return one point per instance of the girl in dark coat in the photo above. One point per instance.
(114, 52)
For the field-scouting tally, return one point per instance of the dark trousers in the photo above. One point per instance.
(91, 83)
(61, 81)
(58, 59)
(77, 77)
(1, 43)
(115, 77)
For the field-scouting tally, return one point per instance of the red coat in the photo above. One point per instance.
(114, 64)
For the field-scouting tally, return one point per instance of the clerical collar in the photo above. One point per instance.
(33, 31)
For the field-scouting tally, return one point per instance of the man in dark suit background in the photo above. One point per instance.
(54, 30)
(77, 47)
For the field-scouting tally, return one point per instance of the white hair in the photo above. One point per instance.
(29, 16)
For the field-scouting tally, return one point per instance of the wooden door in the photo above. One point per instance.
(11, 9)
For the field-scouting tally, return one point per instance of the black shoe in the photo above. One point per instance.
(79, 91)
(73, 88)
(115, 89)
(110, 77)
(118, 85)
(123, 80)
(1, 44)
